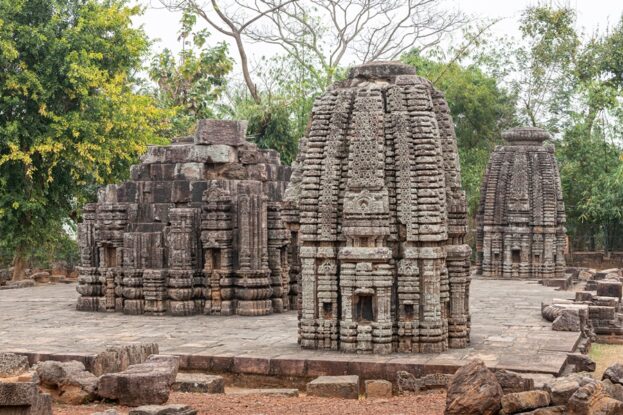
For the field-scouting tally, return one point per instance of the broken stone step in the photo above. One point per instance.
(289, 393)
(346, 387)
(199, 383)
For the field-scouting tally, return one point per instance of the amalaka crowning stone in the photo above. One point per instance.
(377, 211)
(521, 218)
(197, 229)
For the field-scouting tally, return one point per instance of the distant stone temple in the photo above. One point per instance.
(376, 209)
(521, 218)
(197, 229)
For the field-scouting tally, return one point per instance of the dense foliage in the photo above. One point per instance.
(69, 118)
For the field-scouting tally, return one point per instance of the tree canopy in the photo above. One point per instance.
(70, 118)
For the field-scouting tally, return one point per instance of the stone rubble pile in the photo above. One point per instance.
(594, 309)
(129, 375)
(476, 390)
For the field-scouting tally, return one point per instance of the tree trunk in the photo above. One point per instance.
(19, 265)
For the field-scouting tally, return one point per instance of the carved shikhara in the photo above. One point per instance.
(521, 218)
(197, 229)
(376, 209)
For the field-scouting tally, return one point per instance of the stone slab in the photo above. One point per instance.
(345, 387)
(199, 383)
(283, 392)
(508, 332)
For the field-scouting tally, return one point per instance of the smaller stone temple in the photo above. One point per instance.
(376, 209)
(197, 229)
(521, 218)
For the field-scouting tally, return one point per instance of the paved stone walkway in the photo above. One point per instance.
(507, 330)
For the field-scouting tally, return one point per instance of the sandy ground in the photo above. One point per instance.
(432, 403)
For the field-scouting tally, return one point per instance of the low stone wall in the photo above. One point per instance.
(597, 260)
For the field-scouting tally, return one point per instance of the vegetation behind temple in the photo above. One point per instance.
(84, 114)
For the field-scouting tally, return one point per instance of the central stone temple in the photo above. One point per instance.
(376, 207)
(197, 229)
(521, 218)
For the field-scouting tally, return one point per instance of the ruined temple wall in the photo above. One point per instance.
(191, 231)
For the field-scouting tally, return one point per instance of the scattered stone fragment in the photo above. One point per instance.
(199, 383)
(163, 410)
(142, 384)
(513, 403)
(592, 399)
(378, 389)
(24, 398)
(474, 390)
(512, 382)
(67, 382)
(568, 320)
(614, 373)
(561, 389)
(582, 362)
(615, 390)
(118, 358)
(12, 365)
(346, 387)
(284, 392)
(407, 382)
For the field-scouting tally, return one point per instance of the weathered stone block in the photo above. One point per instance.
(513, 403)
(346, 387)
(24, 398)
(199, 383)
(227, 132)
(12, 365)
(610, 288)
(142, 384)
(378, 389)
(474, 390)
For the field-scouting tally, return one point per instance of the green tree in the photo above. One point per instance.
(191, 85)
(571, 84)
(69, 116)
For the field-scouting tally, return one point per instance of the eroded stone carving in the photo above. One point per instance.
(521, 218)
(197, 229)
(376, 209)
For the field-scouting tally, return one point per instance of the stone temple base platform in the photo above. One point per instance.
(507, 332)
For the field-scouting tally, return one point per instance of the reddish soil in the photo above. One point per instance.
(422, 404)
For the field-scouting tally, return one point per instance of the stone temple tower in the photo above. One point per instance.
(521, 218)
(377, 210)
(196, 230)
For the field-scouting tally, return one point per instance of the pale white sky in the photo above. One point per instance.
(592, 15)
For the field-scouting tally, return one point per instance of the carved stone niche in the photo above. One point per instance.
(377, 213)
(521, 218)
(197, 229)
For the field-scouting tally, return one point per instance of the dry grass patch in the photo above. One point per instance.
(605, 355)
